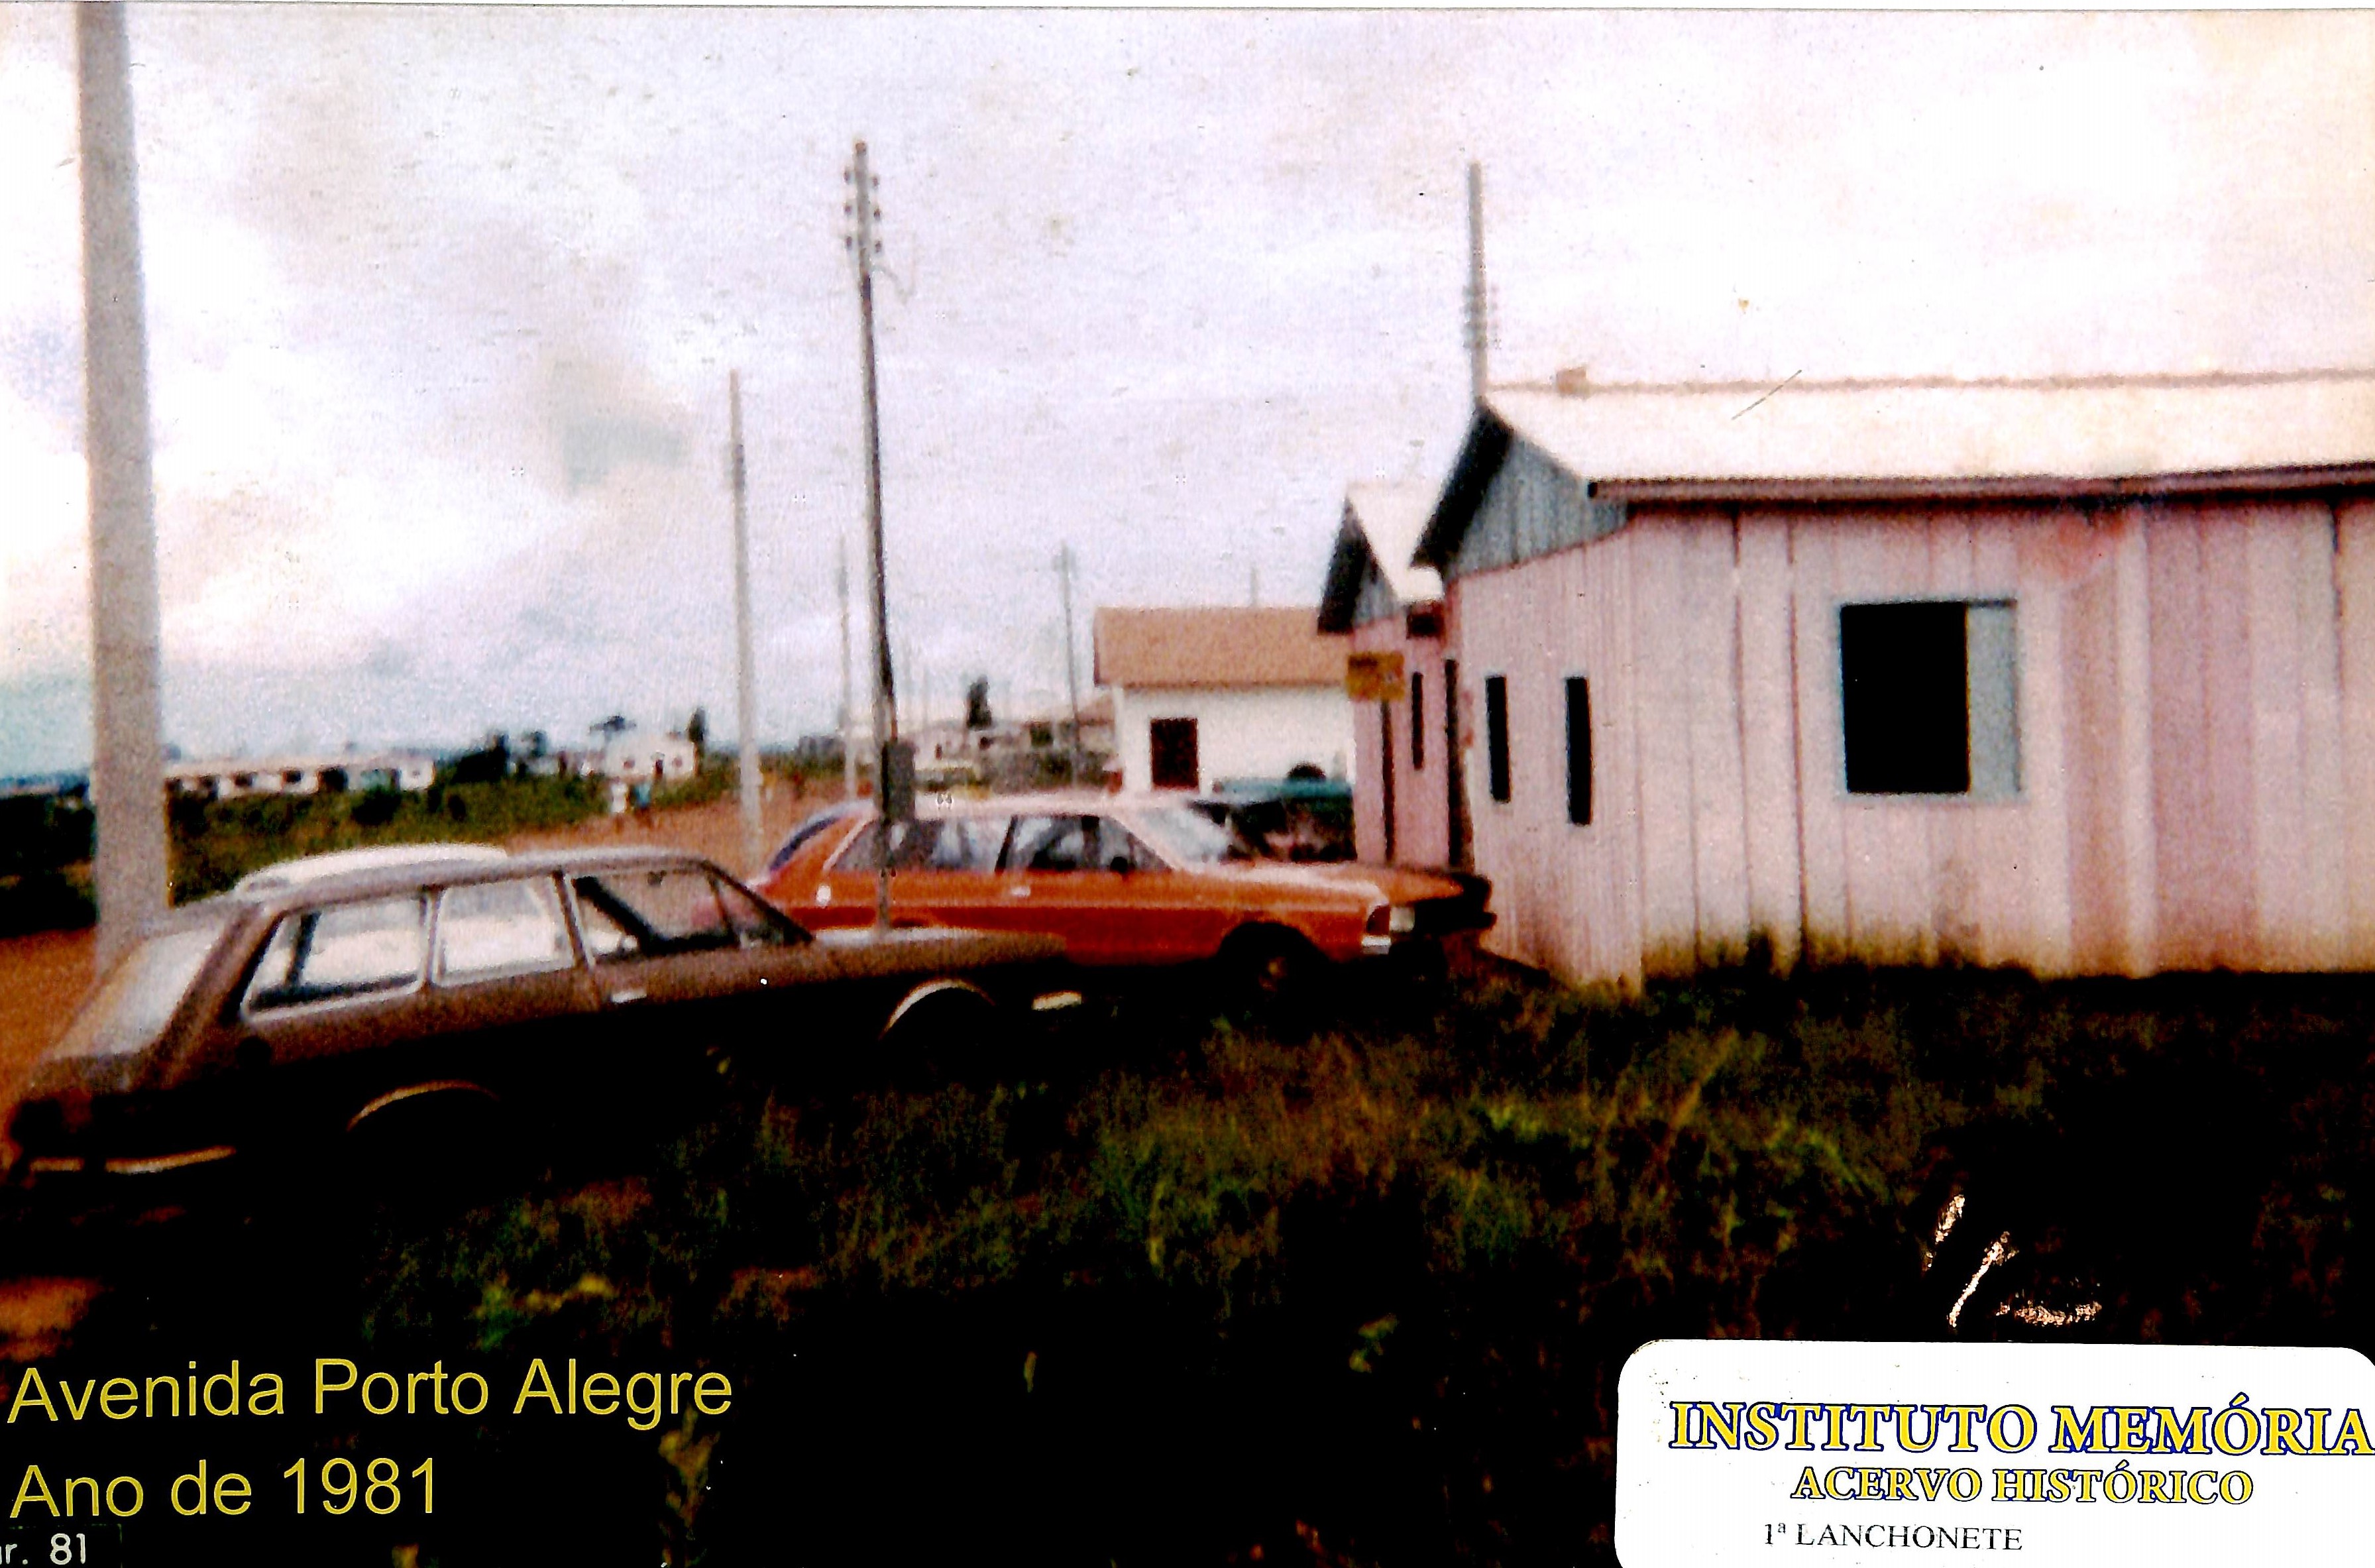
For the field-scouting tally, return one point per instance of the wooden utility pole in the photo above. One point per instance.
(1064, 566)
(1479, 330)
(886, 725)
(128, 773)
(746, 693)
(848, 741)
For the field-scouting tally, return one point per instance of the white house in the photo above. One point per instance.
(1205, 694)
(636, 755)
(226, 778)
(2073, 675)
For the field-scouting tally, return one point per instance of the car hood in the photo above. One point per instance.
(1394, 884)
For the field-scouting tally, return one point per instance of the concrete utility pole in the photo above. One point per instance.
(1478, 334)
(1063, 568)
(886, 725)
(848, 741)
(128, 773)
(746, 693)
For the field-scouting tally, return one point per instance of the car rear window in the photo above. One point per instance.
(489, 929)
(342, 952)
(652, 913)
(136, 1000)
(808, 829)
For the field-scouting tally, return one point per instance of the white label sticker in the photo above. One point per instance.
(1774, 1452)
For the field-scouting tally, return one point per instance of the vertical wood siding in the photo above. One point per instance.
(2196, 718)
(1422, 835)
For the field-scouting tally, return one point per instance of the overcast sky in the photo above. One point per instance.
(441, 305)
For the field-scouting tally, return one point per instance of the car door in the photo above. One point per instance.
(331, 1003)
(943, 872)
(1086, 879)
(692, 970)
(507, 989)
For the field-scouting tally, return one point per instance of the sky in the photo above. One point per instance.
(442, 303)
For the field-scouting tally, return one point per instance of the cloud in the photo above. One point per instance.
(443, 300)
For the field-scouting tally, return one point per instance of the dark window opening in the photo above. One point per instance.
(1497, 736)
(1418, 721)
(1171, 744)
(1578, 750)
(1906, 698)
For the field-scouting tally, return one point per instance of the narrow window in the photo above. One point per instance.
(1929, 699)
(1496, 735)
(1418, 721)
(1578, 750)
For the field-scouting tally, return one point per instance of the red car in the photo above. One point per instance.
(1124, 880)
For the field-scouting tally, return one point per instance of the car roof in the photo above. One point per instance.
(401, 876)
(1082, 802)
(307, 870)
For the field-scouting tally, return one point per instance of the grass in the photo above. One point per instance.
(1363, 1293)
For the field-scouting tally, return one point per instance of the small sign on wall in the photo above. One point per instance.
(1740, 1451)
(1373, 677)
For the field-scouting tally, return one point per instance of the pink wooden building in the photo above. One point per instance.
(2078, 676)
(1403, 804)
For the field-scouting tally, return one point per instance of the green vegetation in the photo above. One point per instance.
(215, 842)
(1363, 1295)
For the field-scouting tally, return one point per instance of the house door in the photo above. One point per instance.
(1171, 745)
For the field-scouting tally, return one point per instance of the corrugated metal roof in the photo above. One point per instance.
(1923, 432)
(1216, 646)
(1393, 516)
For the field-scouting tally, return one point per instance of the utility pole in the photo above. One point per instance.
(746, 693)
(128, 773)
(1478, 334)
(848, 741)
(1064, 566)
(886, 726)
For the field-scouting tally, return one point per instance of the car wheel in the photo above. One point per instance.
(1268, 970)
(950, 1031)
(433, 1153)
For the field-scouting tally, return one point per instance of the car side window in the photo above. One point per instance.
(913, 844)
(754, 924)
(1118, 849)
(652, 913)
(486, 929)
(1053, 844)
(341, 952)
(968, 844)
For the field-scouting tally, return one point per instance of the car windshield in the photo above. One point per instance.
(136, 1000)
(1189, 837)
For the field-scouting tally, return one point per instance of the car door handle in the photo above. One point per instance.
(626, 993)
(1022, 890)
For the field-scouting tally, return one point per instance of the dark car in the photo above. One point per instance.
(423, 1010)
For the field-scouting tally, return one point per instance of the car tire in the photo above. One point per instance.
(954, 1033)
(1268, 972)
(433, 1154)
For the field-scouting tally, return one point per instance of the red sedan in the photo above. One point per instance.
(1124, 880)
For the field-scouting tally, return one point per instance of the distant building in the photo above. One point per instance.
(633, 754)
(1209, 693)
(229, 778)
(1406, 806)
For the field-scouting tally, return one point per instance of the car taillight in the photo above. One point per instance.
(1391, 920)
